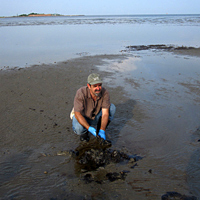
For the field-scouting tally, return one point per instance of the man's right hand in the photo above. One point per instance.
(92, 130)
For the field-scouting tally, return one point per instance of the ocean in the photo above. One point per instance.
(34, 40)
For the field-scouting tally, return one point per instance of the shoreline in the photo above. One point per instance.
(185, 51)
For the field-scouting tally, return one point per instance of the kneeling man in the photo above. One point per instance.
(92, 108)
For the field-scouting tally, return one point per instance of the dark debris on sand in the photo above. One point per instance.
(177, 196)
(93, 156)
(157, 47)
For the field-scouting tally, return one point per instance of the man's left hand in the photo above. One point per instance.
(102, 134)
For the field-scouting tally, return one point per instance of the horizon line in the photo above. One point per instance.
(18, 15)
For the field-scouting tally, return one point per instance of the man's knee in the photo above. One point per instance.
(78, 128)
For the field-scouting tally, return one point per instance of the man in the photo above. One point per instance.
(92, 107)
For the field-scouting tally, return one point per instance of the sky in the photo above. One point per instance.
(99, 7)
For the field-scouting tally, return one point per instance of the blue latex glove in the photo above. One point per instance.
(102, 134)
(92, 130)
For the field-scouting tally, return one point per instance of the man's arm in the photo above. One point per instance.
(104, 119)
(81, 120)
(84, 123)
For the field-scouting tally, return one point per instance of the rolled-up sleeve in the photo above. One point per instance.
(106, 100)
(78, 102)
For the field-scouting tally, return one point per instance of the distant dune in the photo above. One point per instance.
(40, 15)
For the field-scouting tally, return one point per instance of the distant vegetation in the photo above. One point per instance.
(37, 14)
(26, 15)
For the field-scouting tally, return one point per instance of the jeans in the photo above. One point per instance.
(79, 129)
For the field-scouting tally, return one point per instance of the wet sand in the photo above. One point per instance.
(35, 125)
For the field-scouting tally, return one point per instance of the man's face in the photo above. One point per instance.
(96, 89)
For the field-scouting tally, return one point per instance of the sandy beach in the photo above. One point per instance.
(35, 126)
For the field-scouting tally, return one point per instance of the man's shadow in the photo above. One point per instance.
(124, 113)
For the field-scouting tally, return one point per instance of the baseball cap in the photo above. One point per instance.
(94, 79)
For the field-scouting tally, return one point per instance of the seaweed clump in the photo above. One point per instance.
(96, 153)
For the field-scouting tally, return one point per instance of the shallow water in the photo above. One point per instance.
(27, 41)
(168, 84)
(164, 112)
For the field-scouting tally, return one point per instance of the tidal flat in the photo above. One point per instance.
(157, 98)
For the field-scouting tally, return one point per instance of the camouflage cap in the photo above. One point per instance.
(94, 79)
